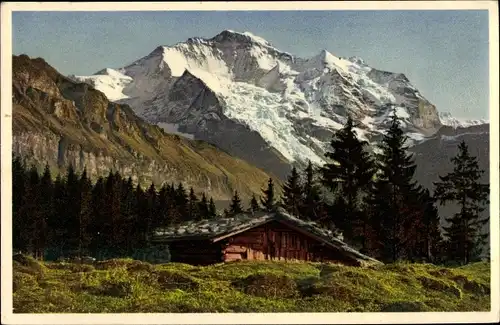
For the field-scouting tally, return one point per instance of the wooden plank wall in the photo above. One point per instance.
(275, 241)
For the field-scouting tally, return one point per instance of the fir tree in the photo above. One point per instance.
(392, 196)
(18, 194)
(463, 187)
(31, 213)
(254, 205)
(292, 194)
(349, 172)
(203, 207)
(193, 205)
(86, 214)
(312, 207)
(212, 210)
(181, 201)
(268, 201)
(235, 206)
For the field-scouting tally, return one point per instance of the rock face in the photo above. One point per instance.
(266, 106)
(61, 122)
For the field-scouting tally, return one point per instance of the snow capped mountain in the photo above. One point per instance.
(448, 120)
(264, 105)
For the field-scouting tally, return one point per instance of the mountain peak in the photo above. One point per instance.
(229, 35)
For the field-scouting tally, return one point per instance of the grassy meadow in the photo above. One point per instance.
(129, 286)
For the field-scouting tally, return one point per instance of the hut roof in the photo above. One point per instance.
(218, 229)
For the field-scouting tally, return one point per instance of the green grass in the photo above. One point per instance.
(125, 285)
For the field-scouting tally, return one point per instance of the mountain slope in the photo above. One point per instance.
(58, 121)
(284, 107)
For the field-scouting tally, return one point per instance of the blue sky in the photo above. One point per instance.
(443, 53)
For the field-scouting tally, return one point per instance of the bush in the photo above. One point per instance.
(268, 285)
(28, 265)
(116, 289)
(23, 280)
(438, 285)
(138, 266)
(472, 286)
(172, 280)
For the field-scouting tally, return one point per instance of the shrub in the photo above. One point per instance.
(116, 289)
(172, 280)
(138, 266)
(23, 280)
(268, 285)
(472, 286)
(438, 285)
(28, 265)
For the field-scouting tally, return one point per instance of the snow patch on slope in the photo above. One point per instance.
(173, 129)
(448, 120)
(109, 81)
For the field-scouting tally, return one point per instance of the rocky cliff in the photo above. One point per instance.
(60, 122)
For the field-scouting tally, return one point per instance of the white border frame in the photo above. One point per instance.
(7, 317)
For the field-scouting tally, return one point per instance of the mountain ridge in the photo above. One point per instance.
(288, 106)
(58, 121)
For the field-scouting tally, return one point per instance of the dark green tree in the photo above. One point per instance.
(348, 172)
(463, 186)
(312, 207)
(193, 206)
(235, 206)
(268, 199)
(212, 210)
(85, 215)
(292, 194)
(393, 196)
(254, 205)
(203, 207)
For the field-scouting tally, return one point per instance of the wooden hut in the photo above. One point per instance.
(259, 236)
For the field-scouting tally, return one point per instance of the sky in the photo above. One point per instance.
(443, 53)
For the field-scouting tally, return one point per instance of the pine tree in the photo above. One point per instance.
(85, 215)
(393, 196)
(463, 187)
(349, 174)
(151, 202)
(268, 201)
(181, 202)
(30, 211)
(46, 206)
(19, 186)
(203, 207)
(254, 205)
(292, 194)
(212, 210)
(235, 206)
(193, 205)
(431, 228)
(312, 207)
